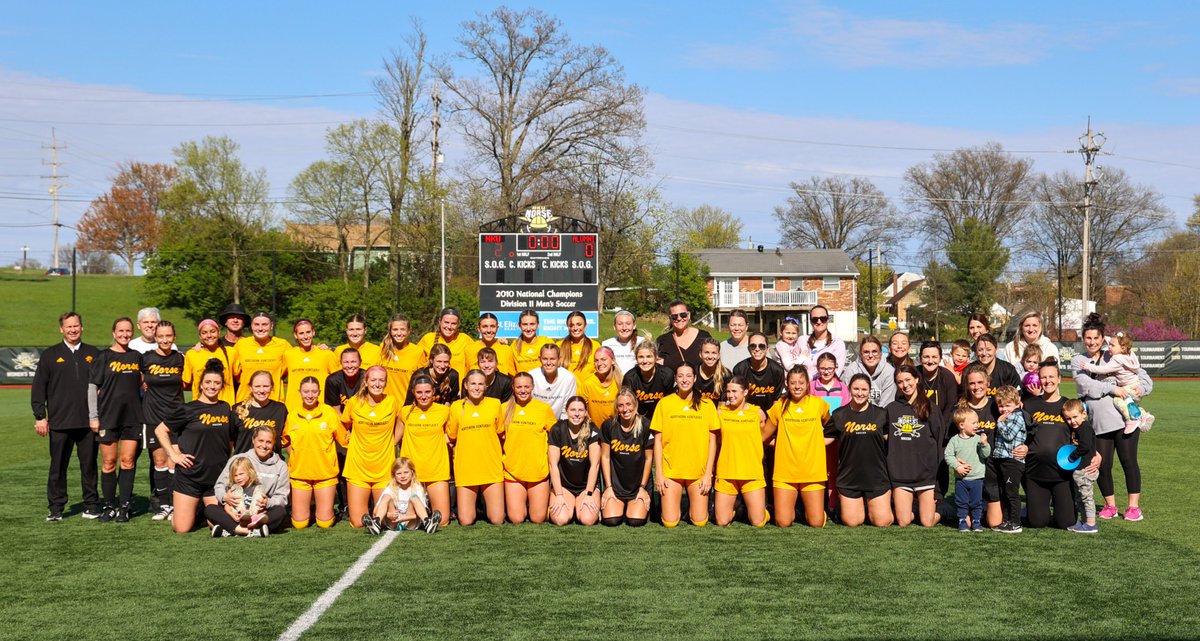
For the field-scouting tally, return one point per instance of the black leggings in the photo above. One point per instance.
(1039, 495)
(1126, 446)
(277, 516)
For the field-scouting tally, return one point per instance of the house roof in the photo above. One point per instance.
(777, 262)
(905, 291)
(902, 279)
(324, 237)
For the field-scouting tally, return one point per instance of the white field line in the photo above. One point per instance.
(323, 603)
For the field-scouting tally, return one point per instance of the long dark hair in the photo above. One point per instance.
(920, 403)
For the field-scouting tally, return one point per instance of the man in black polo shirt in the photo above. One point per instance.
(60, 410)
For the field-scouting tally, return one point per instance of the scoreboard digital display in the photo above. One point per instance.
(538, 259)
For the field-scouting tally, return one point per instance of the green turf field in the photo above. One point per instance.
(83, 579)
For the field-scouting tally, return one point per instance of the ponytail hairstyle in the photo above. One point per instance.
(123, 319)
(437, 326)
(486, 316)
(418, 379)
(214, 366)
(720, 374)
(627, 392)
(243, 409)
(740, 381)
(585, 428)
(812, 336)
(357, 318)
(388, 346)
(798, 369)
(443, 386)
(633, 338)
(616, 373)
(529, 313)
(695, 398)
(567, 343)
(364, 392)
(510, 406)
(920, 405)
(167, 324)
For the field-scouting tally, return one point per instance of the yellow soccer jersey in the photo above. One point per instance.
(372, 448)
(741, 454)
(475, 429)
(528, 355)
(317, 363)
(310, 436)
(800, 440)
(600, 397)
(505, 363)
(400, 368)
(193, 369)
(458, 350)
(685, 435)
(253, 357)
(424, 441)
(580, 367)
(368, 352)
(526, 442)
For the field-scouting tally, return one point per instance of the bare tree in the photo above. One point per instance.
(837, 213)
(985, 184)
(1125, 217)
(367, 148)
(702, 227)
(324, 195)
(540, 104)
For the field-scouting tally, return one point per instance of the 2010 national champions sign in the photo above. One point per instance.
(543, 262)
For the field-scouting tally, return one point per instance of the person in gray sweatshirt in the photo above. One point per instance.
(870, 363)
(272, 474)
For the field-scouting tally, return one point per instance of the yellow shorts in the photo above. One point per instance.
(368, 485)
(299, 484)
(686, 483)
(509, 478)
(734, 486)
(798, 487)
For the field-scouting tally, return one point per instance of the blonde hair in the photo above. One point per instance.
(1008, 394)
(401, 463)
(1125, 341)
(627, 392)
(567, 344)
(243, 409)
(388, 346)
(962, 413)
(363, 392)
(238, 465)
(1076, 406)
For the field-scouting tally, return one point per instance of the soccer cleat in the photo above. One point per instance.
(1133, 514)
(371, 524)
(433, 522)
(54, 516)
(218, 531)
(1107, 512)
(107, 514)
(163, 513)
(92, 513)
(122, 514)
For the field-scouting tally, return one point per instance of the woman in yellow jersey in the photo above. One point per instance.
(401, 359)
(446, 333)
(578, 350)
(210, 347)
(798, 422)
(739, 464)
(527, 349)
(475, 428)
(371, 417)
(304, 360)
(526, 468)
(600, 387)
(310, 436)
(685, 449)
(445, 380)
(489, 325)
(262, 350)
(625, 463)
(422, 429)
(356, 337)
(574, 453)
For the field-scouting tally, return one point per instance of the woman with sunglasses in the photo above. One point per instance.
(821, 341)
(764, 374)
(682, 343)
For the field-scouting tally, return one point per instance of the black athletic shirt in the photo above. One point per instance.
(1004, 373)
(707, 387)
(446, 397)
(765, 386)
(163, 376)
(627, 456)
(572, 464)
(862, 448)
(651, 392)
(118, 380)
(500, 389)
(203, 431)
(1046, 433)
(338, 390)
(942, 391)
(273, 414)
(988, 414)
(914, 446)
(672, 356)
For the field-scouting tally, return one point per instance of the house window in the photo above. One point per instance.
(831, 283)
(797, 284)
(768, 284)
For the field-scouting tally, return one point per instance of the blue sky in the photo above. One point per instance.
(735, 99)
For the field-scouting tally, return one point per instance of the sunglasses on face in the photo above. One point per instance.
(679, 316)
(819, 319)
(758, 345)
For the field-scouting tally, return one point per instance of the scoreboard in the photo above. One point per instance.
(553, 274)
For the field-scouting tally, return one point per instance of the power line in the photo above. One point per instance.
(214, 98)
(176, 124)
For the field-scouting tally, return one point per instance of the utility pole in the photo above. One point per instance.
(437, 160)
(1089, 147)
(55, 187)
(870, 289)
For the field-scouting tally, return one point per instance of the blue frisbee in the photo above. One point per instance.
(1066, 458)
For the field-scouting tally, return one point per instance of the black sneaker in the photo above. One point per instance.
(263, 531)
(107, 514)
(122, 514)
(1008, 527)
(218, 531)
(54, 516)
(371, 524)
(433, 522)
(92, 513)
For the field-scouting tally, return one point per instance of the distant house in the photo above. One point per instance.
(901, 299)
(326, 238)
(770, 285)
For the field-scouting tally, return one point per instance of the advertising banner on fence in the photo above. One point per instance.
(17, 364)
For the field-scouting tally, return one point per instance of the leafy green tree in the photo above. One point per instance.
(978, 258)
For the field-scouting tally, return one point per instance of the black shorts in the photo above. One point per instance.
(192, 488)
(128, 433)
(866, 495)
(991, 480)
(150, 439)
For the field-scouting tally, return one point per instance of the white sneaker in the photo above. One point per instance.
(163, 513)
(1147, 422)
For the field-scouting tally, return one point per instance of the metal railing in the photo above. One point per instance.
(793, 298)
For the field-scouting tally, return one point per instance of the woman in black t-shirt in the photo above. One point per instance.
(864, 489)
(260, 409)
(162, 374)
(625, 441)
(681, 344)
(115, 413)
(649, 381)
(914, 449)
(200, 448)
(975, 396)
(574, 453)
(1045, 482)
(766, 376)
(446, 387)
